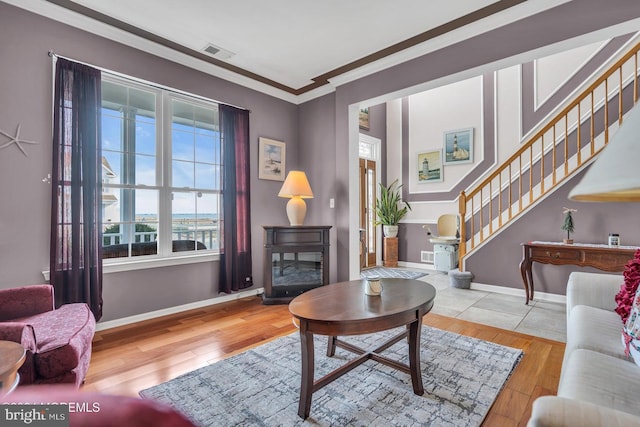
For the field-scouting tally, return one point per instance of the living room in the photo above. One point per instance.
(319, 133)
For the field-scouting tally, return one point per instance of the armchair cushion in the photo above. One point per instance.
(25, 301)
(19, 332)
(23, 334)
(62, 336)
(102, 410)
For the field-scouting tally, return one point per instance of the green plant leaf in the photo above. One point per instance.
(388, 210)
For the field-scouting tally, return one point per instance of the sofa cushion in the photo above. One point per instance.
(63, 336)
(602, 380)
(554, 411)
(594, 329)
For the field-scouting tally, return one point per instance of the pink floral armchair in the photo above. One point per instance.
(57, 341)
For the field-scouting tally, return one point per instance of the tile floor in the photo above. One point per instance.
(539, 318)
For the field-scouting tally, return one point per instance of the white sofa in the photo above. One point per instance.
(598, 385)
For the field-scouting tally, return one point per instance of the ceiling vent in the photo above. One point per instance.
(218, 52)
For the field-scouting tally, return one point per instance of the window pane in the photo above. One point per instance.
(146, 215)
(113, 93)
(205, 176)
(207, 205)
(205, 148)
(183, 215)
(182, 174)
(194, 145)
(112, 125)
(194, 219)
(146, 170)
(128, 127)
(143, 101)
(130, 223)
(145, 137)
(182, 145)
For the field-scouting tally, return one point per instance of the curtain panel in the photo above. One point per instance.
(235, 252)
(76, 247)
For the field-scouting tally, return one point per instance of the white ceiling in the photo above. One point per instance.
(287, 43)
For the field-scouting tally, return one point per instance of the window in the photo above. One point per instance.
(161, 171)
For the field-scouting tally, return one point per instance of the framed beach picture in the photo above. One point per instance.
(458, 146)
(271, 159)
(430, 166)
(363, 118)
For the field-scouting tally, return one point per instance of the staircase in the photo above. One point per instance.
(561, 148)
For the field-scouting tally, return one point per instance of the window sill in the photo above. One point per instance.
(111, 266)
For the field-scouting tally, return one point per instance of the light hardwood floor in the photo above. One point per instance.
(128, 359)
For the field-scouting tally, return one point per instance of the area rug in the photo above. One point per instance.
(391, 273)
(462, 377)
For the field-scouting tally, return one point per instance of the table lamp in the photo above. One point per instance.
(613, 176)
(296, 187)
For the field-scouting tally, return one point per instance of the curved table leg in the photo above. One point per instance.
(306, 385)
(525, 271)
(530, 273)
(415, 330)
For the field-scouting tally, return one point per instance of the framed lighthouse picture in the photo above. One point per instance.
(458, 146)
(430, 166)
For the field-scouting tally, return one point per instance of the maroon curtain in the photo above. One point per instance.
(235, 250)
(76, 249)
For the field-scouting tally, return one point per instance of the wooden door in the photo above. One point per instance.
(368, 246)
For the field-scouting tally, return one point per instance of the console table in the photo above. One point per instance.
(602, 257)
(296, 259)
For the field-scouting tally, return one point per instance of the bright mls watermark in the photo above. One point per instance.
(49, 415)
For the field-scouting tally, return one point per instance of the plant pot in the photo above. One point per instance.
(567, 241)
(390, 230)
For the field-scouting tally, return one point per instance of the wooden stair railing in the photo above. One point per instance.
(559, 149)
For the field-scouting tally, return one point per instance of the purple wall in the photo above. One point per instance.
(316, 133)
(26, 94)
(317, 127)
(564, 22)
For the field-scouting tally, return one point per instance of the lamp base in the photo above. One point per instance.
(296, 210)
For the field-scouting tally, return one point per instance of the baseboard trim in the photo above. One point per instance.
(539, 296)
(417, 265)
(101, 326)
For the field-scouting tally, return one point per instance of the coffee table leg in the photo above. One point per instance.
(331, 346)
(306, 386)
(415, 330)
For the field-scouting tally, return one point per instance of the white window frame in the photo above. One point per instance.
(165, 256)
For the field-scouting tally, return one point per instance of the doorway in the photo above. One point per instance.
(368, 177)
(368, 246)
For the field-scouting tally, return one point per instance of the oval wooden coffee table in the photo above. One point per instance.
(12, 356)
(343, 309)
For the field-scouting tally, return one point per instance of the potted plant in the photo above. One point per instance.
(388, 208)
(568, 225)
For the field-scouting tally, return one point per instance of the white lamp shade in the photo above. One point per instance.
(614, 176)
(296, 187)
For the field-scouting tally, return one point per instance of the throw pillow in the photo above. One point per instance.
(631, 330)
(625, 297)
